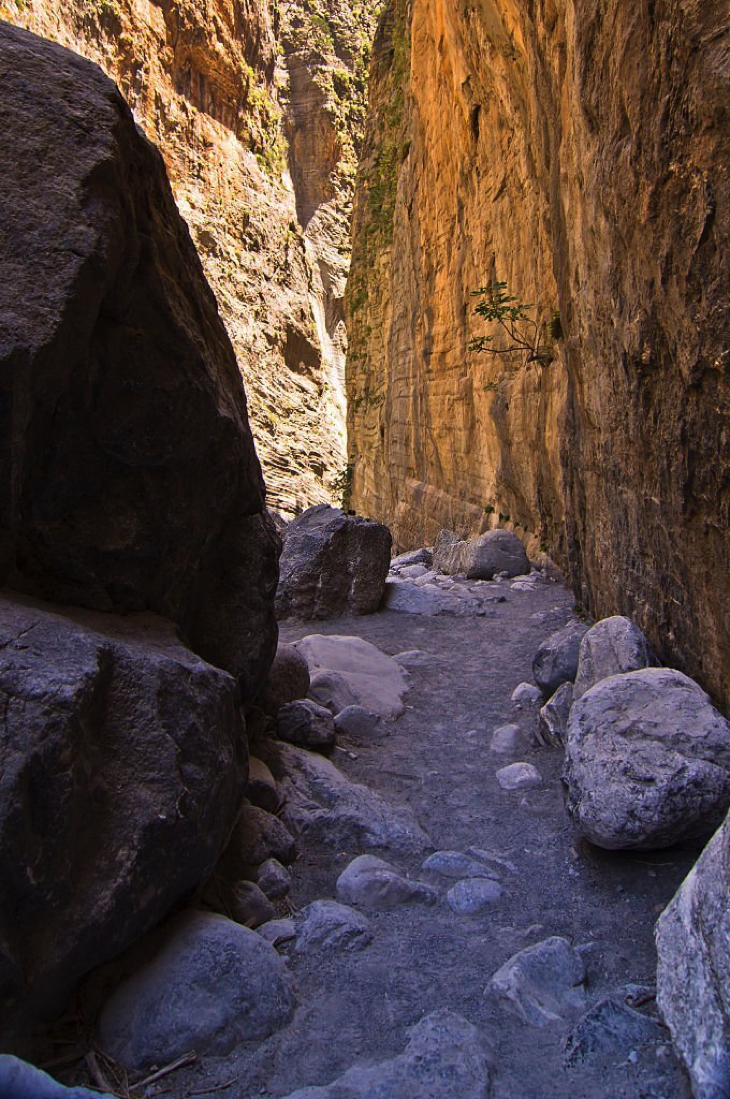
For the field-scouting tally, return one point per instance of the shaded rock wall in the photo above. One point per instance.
(580, 154)
(128, 475)
(221, 87)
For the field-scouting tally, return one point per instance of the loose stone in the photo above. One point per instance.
(358, 723)
(542, 984)
(446, 1058)
(508, 739)
(526, 694)
(211, 985)
(473, 895)
(306, 724)
(454, 864)
(647, 761)
(274, 879)
(278, 932)
(329, 926)
(519, 776)
(373, 883)
(611, 647)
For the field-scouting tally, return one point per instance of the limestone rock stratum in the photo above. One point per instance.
(584, 164)
(129, 477)
(122, 764)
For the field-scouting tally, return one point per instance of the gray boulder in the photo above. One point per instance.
(421, 556)
(328, 926)
(19, 1080)
(332, 564)
(519, 776)
(358, 723)
(450, 553)
(331, 690)
(122, 767)
(647, 761)
(287, 680)
(129, 481)
(693, 972)
(211, 985)
(261, 789)
(556, 660)
(542, 984)
(446, 1058)
(257, 836)
(409, 597)
(247, 904)
(323, 806)
(497, 551)
(612, 646)
(375, 681)
(526, 694)
(306, 724)
(372, 883)
(554, 715)
(274, 879)
(278, 932)
(612, 1030)
(509, 739)
(472, 895)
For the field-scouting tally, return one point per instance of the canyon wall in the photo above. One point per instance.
(577, 152)
(257, 109)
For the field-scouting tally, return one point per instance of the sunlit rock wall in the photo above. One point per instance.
(580, 154)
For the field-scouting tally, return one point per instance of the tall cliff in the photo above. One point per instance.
(257, 108)
(579, 153)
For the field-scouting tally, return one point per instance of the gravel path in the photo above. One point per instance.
(357, 1006)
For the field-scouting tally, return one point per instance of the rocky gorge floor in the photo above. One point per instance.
(397, 999)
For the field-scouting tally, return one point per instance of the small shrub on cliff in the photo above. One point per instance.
(521, 332)
(342, 487)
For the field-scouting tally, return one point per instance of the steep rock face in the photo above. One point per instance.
(129, 476)
(579, 155)
(202, 79)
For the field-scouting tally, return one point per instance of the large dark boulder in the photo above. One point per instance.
(332, 564)
(122, 767)
(128, 475)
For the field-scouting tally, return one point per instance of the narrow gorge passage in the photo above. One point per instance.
(356, 1006)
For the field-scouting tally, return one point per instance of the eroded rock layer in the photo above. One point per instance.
(223, 88)
(578, 154)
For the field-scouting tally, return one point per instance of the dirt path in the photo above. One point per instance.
(358, 1006)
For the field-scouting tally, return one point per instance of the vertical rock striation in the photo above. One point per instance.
(579, 154)
(222, 88)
